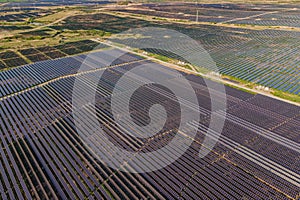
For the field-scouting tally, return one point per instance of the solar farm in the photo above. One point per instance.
(9, 59)
(43, 154)
(266, 57)
(264, 14)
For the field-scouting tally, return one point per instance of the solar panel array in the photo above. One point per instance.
(267, 15)
(9, 59)
(21, 17)
(264, 56)
(43, 157)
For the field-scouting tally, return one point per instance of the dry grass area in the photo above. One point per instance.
(56, 16)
